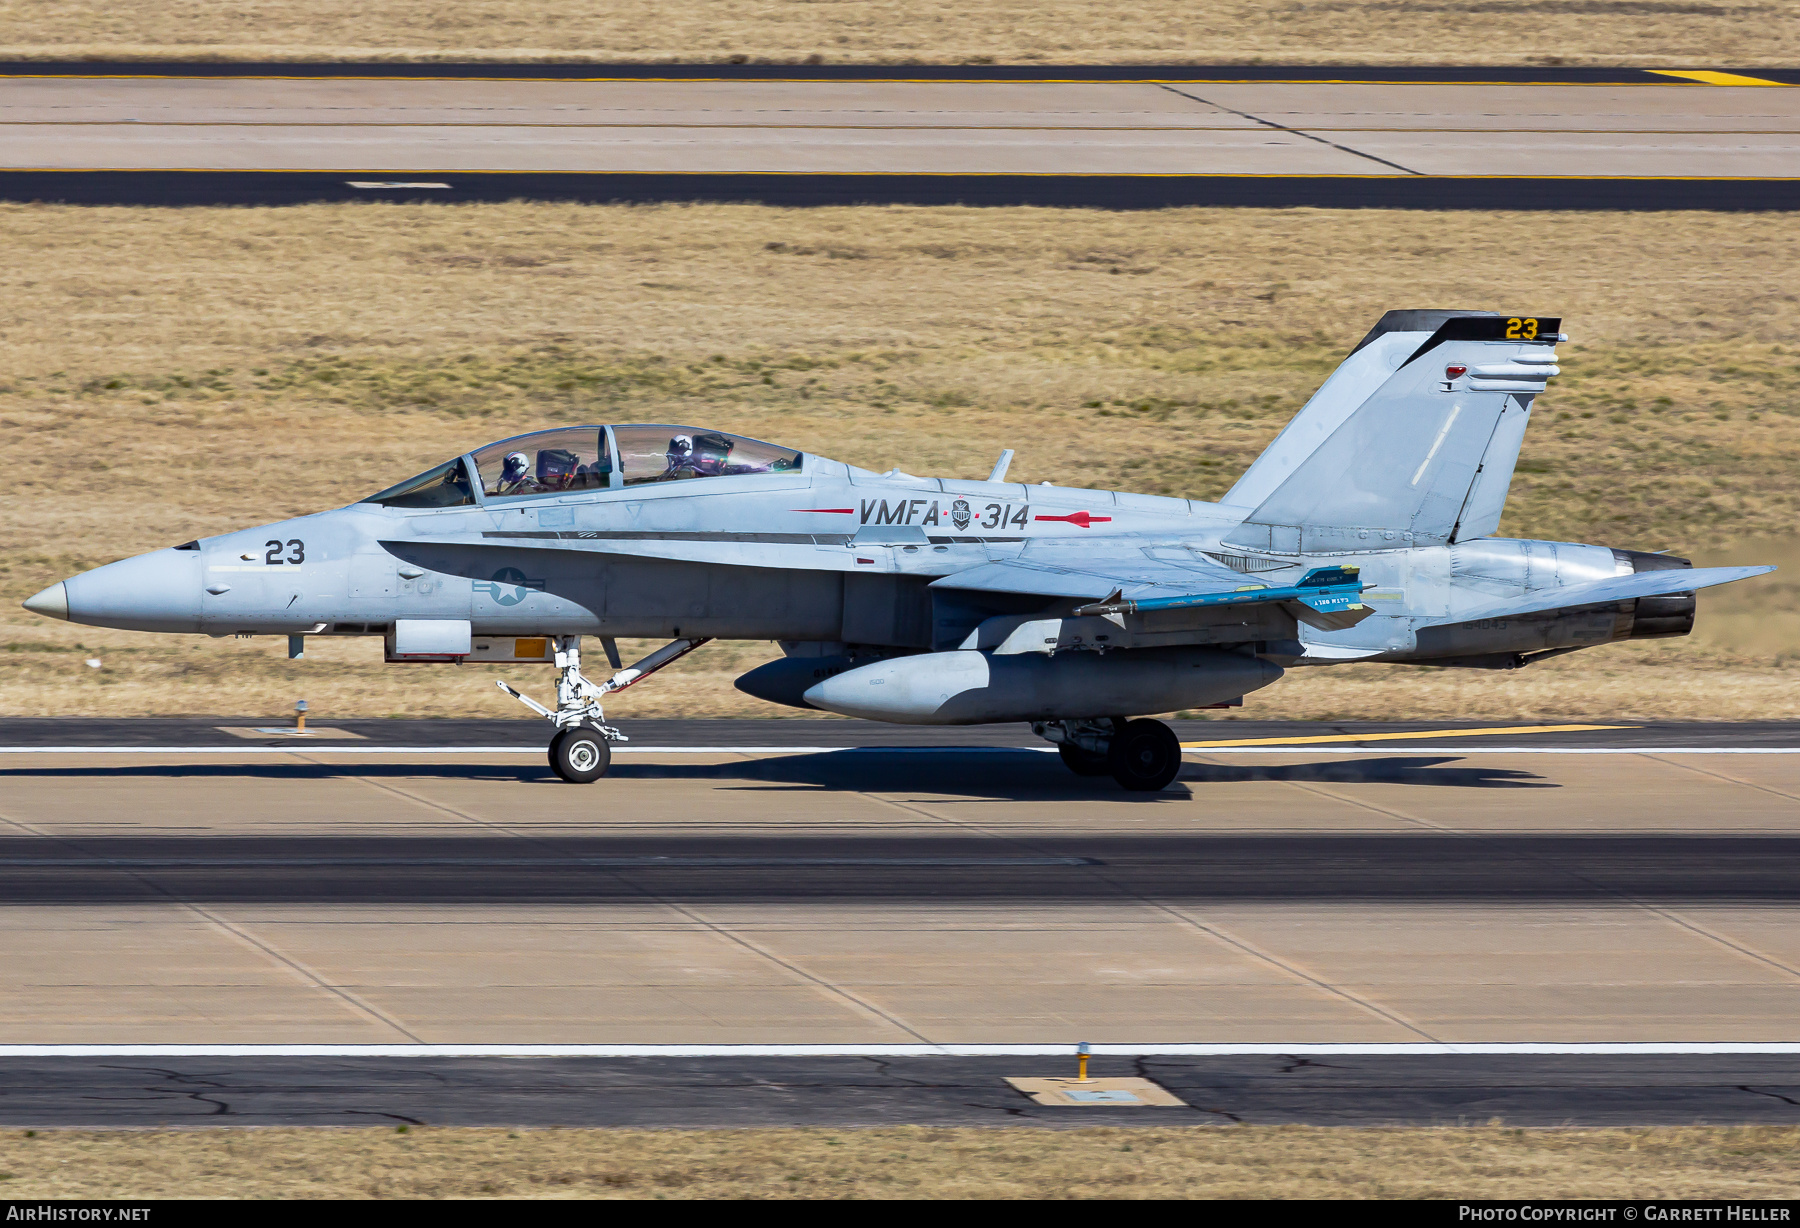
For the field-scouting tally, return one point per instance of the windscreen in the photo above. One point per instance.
(665, 453)
(545, 463)
(445, 486)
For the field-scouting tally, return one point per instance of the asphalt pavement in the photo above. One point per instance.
(1097, 136)
(527, 732)
(1337, 1090)
(774, 922)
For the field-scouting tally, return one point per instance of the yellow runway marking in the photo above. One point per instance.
(1715, 78)
(1394, 737)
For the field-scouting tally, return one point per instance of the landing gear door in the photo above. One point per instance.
(532, 649)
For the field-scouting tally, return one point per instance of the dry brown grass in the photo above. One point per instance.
(1676, 33)
(172, 373)
(907, 1162)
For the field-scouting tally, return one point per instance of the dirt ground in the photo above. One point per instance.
(166, 374)
(907, 1162)
(1661, 33)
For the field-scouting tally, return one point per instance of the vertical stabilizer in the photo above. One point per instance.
(1423, 455)
(1376, 357)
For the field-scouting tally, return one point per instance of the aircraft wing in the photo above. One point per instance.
(1096, 576)
(1326, 597)
(1605, 592)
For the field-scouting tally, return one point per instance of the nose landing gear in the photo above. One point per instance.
(1144, 756)
(580, 750)
(580, 756)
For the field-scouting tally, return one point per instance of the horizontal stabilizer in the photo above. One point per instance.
(1605, 592)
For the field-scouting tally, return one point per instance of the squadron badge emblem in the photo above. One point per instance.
(959, 513)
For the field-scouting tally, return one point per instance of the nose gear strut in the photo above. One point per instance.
(578, 707)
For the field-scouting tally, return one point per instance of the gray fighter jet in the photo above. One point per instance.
(1361, 534)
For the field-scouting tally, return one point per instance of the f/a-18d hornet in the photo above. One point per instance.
(1361, 534)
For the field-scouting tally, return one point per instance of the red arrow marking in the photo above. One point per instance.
(842, 511)
(1078, 518)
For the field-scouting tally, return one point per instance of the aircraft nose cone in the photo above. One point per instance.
(159, 591)
(53, 602)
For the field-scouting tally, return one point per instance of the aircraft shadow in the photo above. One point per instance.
(994, 775)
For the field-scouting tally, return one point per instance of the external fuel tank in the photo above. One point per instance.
(970, 687)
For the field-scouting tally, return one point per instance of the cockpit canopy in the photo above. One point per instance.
(572, 459)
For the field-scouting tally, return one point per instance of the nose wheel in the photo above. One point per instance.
(580, 756)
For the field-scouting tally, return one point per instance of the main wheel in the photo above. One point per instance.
(1083, 762)
(579, 756)
(1145, 756)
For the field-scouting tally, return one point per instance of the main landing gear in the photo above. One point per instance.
(581, 750)
(1144, 756)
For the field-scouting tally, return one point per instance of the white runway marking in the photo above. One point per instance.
(1623, 1049)
(895, 750)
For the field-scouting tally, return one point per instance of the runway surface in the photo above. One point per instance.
(166, 883)
(826, 1091)
(493, 70)
(1627, 138)
(24, 734)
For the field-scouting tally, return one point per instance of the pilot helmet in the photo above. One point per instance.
(514, 466)
(681, 447)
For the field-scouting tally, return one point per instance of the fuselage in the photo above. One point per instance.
(824, 553)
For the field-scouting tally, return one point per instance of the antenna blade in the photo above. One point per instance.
(1000, 466)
